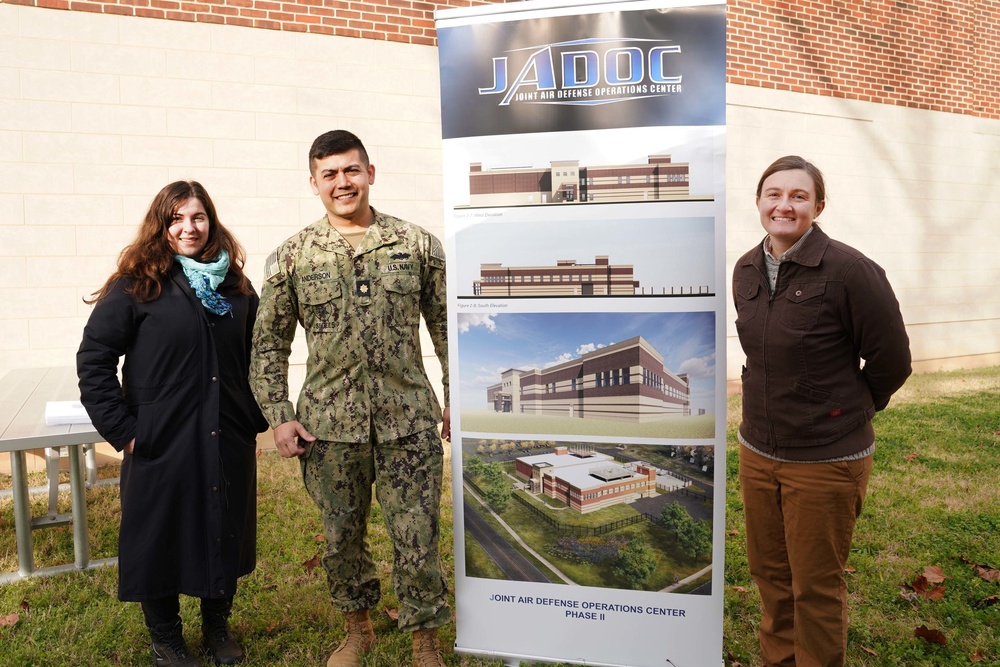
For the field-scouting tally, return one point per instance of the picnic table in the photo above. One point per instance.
(23, 396)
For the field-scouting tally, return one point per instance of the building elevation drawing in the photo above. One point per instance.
(626, 382)
(566, 278)
(566, 181)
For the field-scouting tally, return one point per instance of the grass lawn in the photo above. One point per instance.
(934, 501)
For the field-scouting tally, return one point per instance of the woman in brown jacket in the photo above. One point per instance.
(809, 310)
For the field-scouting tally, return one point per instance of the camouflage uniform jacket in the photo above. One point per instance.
(361, 314)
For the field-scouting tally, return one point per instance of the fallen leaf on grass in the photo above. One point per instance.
(311, 564)
(934, 574)
(849, 570)
(985, 572)
(9, 621)
(319, 538)
(739, 589)
(259, 452)
(925, 589)
(24, 605)
(935, 593)
(733, 533)
(910, 457)
(977, 657)
(270, 628)
(869, 651)
(933, 636)
(393, 614)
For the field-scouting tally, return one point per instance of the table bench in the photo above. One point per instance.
(23, 395)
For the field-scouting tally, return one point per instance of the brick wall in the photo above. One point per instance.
(940, 55)
(407, 21)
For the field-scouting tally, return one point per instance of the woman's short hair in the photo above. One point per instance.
(795, 162)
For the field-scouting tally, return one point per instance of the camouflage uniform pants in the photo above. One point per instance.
(407, 474)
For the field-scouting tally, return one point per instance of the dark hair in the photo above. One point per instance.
(335, 142)
(147, 260)
(795, 162)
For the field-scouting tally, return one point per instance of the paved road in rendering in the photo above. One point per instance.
(507, 558)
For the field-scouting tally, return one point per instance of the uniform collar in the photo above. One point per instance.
(381, 232)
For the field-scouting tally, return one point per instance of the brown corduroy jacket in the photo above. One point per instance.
(806, 395)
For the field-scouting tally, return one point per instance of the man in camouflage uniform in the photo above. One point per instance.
(358, 281)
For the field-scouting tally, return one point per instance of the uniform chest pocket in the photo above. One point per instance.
(402, 292)
(322, 305)
(747, 298)
(802, 305)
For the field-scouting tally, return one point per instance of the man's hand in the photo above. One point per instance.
(287, 436)
(446, 424)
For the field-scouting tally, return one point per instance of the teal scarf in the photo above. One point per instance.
(204, 278)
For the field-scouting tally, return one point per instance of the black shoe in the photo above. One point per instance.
(170, 650)
(222, 645)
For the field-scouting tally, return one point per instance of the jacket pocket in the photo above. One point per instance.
(747, 293)
(403, 296)
(802, 304)
(322, 305)
(145, 432)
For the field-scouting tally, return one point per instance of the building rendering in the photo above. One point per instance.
(626, 382)
(566, 278)
(586, 481)
(566, 181)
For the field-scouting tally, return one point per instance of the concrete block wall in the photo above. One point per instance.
(911, 189)
(98, 110)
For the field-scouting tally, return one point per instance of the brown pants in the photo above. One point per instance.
(799, 521)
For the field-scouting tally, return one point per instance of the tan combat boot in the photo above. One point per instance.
(426, 652)
(359, 640)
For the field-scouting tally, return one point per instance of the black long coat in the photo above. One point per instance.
(188, 491)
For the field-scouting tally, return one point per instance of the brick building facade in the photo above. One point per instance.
(626, 382)
(566, 181)
(567, 278)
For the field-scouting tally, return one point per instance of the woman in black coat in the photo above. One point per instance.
(181, 311)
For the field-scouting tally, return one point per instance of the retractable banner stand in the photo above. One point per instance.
(584, 176)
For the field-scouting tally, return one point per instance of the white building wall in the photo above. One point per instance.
(916, 191)
(98, 112)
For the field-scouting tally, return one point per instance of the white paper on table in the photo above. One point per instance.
(65, 412)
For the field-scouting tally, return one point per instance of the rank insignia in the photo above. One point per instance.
(364, 287)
